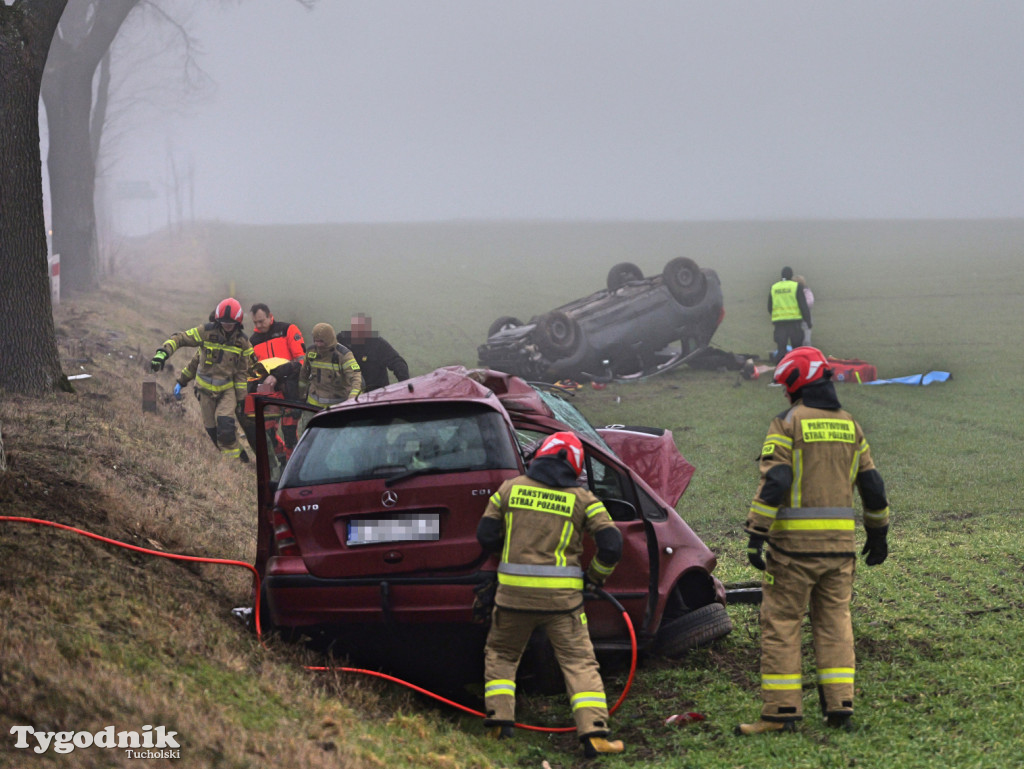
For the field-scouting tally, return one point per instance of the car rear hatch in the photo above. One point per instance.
(396, 490)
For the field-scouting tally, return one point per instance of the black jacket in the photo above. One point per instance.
(375, 356)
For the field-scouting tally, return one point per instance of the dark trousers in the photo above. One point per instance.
(787, 332)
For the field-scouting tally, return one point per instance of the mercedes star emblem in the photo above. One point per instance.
(389, 498)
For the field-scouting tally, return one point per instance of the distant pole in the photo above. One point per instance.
(54, 264)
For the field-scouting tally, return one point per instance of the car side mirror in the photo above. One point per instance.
(620, 509)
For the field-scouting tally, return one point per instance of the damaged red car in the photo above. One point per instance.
(367, 536)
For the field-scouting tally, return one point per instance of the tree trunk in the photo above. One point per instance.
(87, 30)
(29, 362)
(67, 94)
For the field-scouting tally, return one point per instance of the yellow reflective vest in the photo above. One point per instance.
(785, 305)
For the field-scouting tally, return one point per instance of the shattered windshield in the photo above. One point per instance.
(567, 413)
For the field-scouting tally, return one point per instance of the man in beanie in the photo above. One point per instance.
(329, 374)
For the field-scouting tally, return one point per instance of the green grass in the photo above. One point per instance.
(938, 627)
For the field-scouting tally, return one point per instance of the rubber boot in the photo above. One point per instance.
(840, 720)
(595, 746)
(501, 732)
(764, 727)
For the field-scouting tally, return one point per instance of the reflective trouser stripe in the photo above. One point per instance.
(551, 583)
(588, 700)
(781, 682)
(499, 687)
(814, 519)
(835, 676)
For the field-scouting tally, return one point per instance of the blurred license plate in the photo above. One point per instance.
(414, 527)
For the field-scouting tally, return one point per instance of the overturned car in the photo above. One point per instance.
(367, 536)
(634, 328)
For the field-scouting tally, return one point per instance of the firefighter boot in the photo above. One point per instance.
(594, 746)
(501, 732)
(764, 727)
(840, 720)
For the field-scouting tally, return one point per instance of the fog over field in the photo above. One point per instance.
(905, 295)
(668, 110)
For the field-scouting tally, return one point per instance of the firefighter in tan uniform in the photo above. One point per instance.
(537, 522)
(328, 375)
(221, 378)
(814, 455)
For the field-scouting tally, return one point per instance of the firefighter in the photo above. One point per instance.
(222, 374)
(788, 308)
(328, 375)
(277, 339)
(814, 455)
(537, 522)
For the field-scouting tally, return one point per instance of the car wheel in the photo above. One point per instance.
(622, 273)
(502, 323)
(696, 628)
(558, 335)
(685, 281)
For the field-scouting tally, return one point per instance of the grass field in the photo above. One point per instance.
(939, 626)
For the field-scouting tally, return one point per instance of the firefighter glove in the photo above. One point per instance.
(158, 360)
(483, 600)
(755, 551)
(177, 391)
(877, 547)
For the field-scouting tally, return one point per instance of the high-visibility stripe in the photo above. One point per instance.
(508, 536)
(548, 583)
(814, 525)
(589, 700)
(539, 570)
(837, 513)
(202, 383)
(782, 441)
(563, 542)
(795, 493)
(876, 517)
(600, 568)
(495, 499)
(835, 675)
(781, 682)
(595, 508)
(225, 347)
(762, 509)
(500, 687)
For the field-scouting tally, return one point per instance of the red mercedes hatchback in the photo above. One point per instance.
(367, 536)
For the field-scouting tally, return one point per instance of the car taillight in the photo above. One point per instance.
(284, 537)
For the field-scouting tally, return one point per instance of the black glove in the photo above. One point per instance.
(158, 360)
(483, 600)
(877, 547)
(755, 551)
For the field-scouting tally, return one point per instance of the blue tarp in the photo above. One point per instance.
(915, 379)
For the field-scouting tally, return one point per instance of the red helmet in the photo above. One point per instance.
(228, 311)
(556, 443)
(801, 367)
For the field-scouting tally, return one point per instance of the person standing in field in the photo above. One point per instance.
(788, 308)
(814, 455)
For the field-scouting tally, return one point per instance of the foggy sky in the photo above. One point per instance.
(589, 109)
